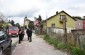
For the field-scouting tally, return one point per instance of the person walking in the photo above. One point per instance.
(21, 35)
(29, 34)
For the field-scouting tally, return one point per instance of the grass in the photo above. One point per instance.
(55, 42)
(62, 46)
(78, 51)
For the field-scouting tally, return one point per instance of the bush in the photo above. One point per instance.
(51, 40)
(46, 37)
(78, 51)
(75, 51)
(55, 42)
(61, 45)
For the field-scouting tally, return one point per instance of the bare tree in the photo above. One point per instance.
(1, 17)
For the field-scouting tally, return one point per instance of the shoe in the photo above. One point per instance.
(19, 42)
(30, 41)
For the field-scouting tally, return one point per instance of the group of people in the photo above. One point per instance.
(22, 33)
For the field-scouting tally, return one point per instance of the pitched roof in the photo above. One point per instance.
(43, 21)
(77, 18)
(59, 13)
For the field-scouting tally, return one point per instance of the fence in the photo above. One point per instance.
(40, 31)
(75, 38)
(79, 37)
(56, 33)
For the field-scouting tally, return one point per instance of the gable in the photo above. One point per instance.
(60, 13)
(70, 21)
(55, 19)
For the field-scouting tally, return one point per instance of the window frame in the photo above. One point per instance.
(62, 17)
(53, 25)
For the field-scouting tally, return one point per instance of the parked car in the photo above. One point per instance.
(12, 31)
(5, 42)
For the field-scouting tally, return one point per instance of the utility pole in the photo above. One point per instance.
(46, 24)
(65, 31)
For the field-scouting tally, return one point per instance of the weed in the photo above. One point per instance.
(61, 45)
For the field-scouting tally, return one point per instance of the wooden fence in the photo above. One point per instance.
(79, 37)
(75, 38)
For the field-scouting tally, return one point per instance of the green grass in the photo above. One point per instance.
(78, 51)
(55, 42)
(62, 46)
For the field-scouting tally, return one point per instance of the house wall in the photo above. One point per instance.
(79, 24)
(44, 25)
(83, 24)
(70, 22)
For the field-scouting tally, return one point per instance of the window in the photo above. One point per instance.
(53, 25)
(5, 36)
(62, 17)
(13, 28)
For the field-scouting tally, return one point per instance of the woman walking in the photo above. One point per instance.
(21, 35)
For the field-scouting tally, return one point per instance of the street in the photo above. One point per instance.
(37, 47)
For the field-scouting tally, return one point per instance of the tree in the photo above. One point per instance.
(1, 20)
(31, 25)
(40, 19)
(18, 25)
(1, 16)
(12, 23)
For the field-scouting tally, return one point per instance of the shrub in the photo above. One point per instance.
(61, 45)
(75, 51)
(46, 37)
(78, 51)
(55, 42)
(51, 40)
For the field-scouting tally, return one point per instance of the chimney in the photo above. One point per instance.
(56, 12)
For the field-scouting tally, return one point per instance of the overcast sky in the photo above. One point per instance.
(18, 9)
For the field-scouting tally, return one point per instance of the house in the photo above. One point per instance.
(26, 21)
(77, 18)
(80, 24)
(36, 23)
(57, 22)
(44, 24)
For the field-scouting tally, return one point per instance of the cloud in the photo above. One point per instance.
(19, 20)
(77, 9)
(15, 7)
(23, 13)
(34, 8)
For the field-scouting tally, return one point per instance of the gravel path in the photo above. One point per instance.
(37, 47)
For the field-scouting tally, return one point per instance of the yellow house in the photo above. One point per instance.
(56, 21)
(44, 24)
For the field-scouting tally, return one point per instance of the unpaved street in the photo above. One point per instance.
(37, 47)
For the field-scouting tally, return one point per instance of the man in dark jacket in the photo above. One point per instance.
(21, 35)
(29, 34)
